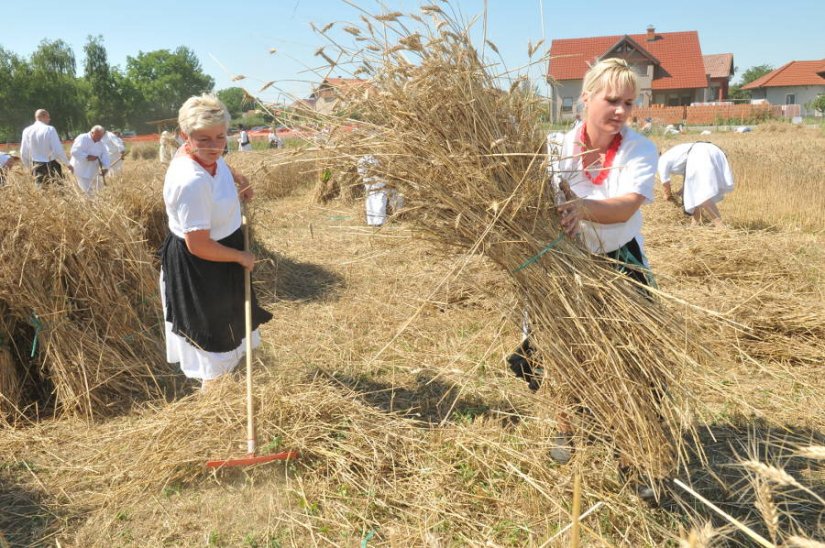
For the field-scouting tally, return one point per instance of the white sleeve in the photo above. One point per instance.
(639, 174)
(193, 205)
(78, 150)
(57, 146)
(25, 149)
(104, 158)
(666, 166)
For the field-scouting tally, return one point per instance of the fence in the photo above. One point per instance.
(716, 114)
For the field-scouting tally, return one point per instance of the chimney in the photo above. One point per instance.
(651, 33)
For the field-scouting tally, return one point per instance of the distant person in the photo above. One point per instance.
(41, 150)
(244, 144)
(7, 162)
(168, 147)
(203, 258)
(116, 149)
(90, 160)
(376, 198)
(647, 127)
(274, 140)
(577, 121)
(708, 178)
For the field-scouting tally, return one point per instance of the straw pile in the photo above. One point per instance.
(81, 312)
(467, 155)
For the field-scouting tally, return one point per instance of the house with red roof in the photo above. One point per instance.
(670, 65)
(794, 83)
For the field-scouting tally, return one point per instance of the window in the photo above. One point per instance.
(790, 99)
(567, 104)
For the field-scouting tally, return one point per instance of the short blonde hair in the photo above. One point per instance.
(614, 74)
(202, 111)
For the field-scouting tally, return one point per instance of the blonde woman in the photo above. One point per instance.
(611, 171)
(203, 259)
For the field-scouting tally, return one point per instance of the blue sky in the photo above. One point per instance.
(236, 37)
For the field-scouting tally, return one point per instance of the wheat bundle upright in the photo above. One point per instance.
(468, 156)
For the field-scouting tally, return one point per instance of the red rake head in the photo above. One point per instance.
(250, 460)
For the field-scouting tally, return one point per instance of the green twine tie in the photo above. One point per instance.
(628, 258)
(539, 255)
(367, 538)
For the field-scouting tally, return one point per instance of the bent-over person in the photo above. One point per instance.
(707, 174)
(90, 160)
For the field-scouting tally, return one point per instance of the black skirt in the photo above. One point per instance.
(631, 261)
(205, 299)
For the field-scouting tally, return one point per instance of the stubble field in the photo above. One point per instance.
(384, 366)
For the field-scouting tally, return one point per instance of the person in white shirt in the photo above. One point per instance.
(376, 198)
(274, 140)
(203, 258)
(41, 150)
(90, 160)
(244, 144)
(7, 162)
(117, 151)
(168, 147)
(603, 175)
(707, 174)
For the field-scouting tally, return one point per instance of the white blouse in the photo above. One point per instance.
(195, 200)
(633, 171)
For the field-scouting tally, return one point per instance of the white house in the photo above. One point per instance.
(794, 83)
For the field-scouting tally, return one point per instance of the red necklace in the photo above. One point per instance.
(212, 168)
(608, 156)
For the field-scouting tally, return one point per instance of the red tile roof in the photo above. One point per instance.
(795, 73)
(719, 65)
(678, 52)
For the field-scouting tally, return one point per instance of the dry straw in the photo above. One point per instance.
(80, 301)
(467, 157)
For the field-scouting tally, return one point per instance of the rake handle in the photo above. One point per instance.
(251, 435)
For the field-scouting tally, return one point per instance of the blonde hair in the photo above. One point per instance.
(202, 111)
(614, 74)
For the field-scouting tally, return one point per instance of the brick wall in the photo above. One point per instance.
(708, 114)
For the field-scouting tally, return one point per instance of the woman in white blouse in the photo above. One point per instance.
(203, 260)
(611, 171)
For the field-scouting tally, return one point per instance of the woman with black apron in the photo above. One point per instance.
(203, 260)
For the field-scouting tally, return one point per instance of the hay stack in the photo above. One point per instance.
(467, 155)
(78, 276)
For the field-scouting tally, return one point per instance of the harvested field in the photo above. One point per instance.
(384, 366)
(429, 441)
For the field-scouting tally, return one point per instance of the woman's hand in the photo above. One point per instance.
(247, 260)
(572, 213)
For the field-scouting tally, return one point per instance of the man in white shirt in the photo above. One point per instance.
(40, 150)
(90, 160)
(116, 149)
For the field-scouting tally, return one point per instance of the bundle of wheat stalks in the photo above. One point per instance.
(81, 318)
(468, 158)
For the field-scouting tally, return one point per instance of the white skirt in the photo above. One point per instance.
(195, 362)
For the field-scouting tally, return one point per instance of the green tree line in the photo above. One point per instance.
(152, 86)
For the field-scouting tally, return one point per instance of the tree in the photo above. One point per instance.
(235, 100)
(164, 80)
(737, 93)
(55, 87)
(16, 95)
(104, 104)
(819, 104)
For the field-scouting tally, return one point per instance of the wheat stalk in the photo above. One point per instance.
(802, 542)
(767, 507)
(812, 452)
